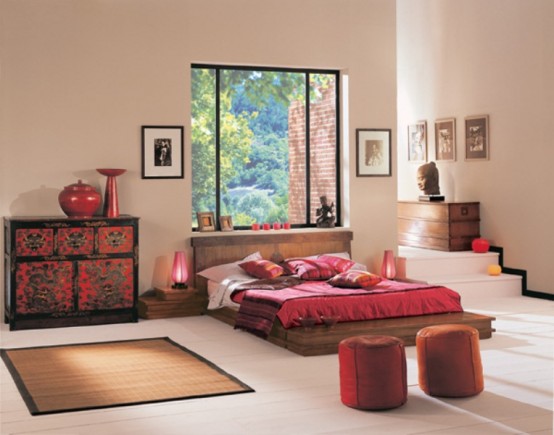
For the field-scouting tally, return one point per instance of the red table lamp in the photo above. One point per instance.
(179, 273)
(388, 268)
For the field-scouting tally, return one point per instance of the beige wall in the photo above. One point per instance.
(79, 79)
(494, 57)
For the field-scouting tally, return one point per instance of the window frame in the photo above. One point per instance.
(306, 71)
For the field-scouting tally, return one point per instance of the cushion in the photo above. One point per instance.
(311, 270)
(262, 269)
(355, 279)
(339, 264)
(229, 270)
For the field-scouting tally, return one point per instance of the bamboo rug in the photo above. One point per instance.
(100, 375)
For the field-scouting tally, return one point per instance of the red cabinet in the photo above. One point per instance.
(69, 272)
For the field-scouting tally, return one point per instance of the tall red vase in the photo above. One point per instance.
(111, 202)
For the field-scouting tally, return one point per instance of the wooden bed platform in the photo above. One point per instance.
(211, 250)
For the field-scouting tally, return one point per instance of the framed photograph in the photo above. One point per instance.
(417, 142)
(206, 221)
(162, 151)
(477, 137)
(373, 152)
(445, 139)
(226, 223)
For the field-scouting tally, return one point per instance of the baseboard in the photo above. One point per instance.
(539, 295)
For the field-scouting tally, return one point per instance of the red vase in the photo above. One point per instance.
(79, 200)
(111, 202)
(480, 245)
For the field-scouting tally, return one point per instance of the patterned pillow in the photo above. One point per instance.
(355, 279)
(337, 263)
(311, 270)
(262, 269)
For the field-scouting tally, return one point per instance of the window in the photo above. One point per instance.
(259, 152)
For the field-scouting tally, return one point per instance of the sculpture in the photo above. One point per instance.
(428, 179)
(325, 216)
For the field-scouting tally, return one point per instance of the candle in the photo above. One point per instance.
(276, 226)
(267, 227)
(286, 226)
(255, 226)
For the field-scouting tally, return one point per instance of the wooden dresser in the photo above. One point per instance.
(70, 272)
(443, 226)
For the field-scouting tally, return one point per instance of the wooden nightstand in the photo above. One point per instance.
(168, 302)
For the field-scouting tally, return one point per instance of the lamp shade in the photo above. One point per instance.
(179, 273)
(388, 268)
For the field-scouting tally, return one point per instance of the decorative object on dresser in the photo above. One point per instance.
(480, 246)
(79, 200)
(428, 182)
(70, 272)
(111, 201)
(443, 226)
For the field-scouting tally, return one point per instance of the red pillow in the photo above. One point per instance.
(337, 263)
(262, 269)
(311, 270)
(355, 279)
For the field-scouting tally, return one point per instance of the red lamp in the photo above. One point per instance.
(179, 273)
(388, 268)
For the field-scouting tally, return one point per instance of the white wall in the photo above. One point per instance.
(495, 57)
(80, 78)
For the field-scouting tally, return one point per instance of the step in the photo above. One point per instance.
(415, 263)
(481, 286)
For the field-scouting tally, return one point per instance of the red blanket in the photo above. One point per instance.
(259, 308)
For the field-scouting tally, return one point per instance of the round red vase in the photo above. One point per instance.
(480, 246)
(79, 200)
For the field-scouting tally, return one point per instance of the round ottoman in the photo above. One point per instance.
(449, 361)
(372, 372)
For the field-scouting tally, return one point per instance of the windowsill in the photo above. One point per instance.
(271, 232)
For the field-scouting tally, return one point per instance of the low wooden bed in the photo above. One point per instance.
(211, 250)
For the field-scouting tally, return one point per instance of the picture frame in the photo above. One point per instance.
(206, 221)
(162, 151)
(373, 152)
(445, 140)
(477, 145)
(226, 223)
(417, 142)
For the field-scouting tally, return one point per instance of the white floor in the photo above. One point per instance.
(300, 395)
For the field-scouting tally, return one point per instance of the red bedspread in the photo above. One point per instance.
(258, 308)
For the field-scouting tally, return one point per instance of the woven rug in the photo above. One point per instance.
(101, 375)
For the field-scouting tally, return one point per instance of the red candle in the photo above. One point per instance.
(255, 226)
(286, 226)
(267, 227)
(276, 226)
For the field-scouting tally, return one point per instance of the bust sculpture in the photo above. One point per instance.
(428, 179)
(325, 216)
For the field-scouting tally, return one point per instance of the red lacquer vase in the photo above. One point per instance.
(111, 203)
(79, 200)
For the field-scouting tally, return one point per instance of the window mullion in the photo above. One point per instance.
(217, 143)
(307, 128)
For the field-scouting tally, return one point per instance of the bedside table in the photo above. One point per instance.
(168, 302)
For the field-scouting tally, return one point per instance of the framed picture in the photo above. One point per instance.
(445, 139)
(373, 152)
(162, 151)
(417, 142)
(206, 221)
(226, 223)
(477, 137)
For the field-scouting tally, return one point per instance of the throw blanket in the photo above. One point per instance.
(259, 308)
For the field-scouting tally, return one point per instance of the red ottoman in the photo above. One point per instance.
(373, 372)
(449, 361)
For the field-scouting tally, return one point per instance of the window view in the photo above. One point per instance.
(259, 152)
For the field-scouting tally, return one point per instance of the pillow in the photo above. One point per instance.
(337, 263)
(355, 279)
(220, 272)
(311, 270)
(262, 269)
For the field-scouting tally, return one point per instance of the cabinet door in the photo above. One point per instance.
(105, 284)
(44, 287)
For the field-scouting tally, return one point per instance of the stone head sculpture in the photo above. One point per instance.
(428, 179)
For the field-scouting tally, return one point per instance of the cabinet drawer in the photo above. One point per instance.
(34, 242)
(75, 241)
(115, 240)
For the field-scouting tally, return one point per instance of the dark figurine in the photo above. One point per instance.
(428, 179)
(325, 216)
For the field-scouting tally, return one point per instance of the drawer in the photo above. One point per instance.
(34, 242)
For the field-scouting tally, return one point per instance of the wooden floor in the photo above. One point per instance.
(300, 395)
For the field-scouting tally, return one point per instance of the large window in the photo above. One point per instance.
(265, 143)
